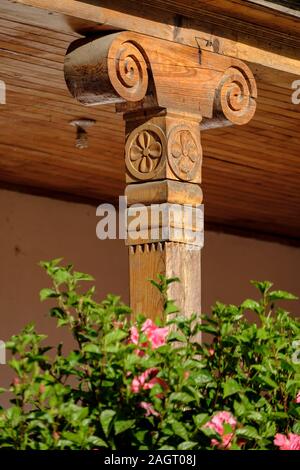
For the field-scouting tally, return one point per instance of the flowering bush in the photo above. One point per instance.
(153, 385)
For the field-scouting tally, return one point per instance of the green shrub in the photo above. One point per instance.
(154, 386)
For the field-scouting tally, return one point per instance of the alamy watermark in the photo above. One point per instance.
(296, 93)
(2, 352)
(139, 223)
(296, 353)
(2, 92)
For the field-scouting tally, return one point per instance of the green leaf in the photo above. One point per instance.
(115, 336)
(203, 377)
(209, 432)
(239, 408)
(262, 286)
(251, 305)
(296, 428)
(230, 387)
(179, 430)
(170, 307)
(200, 419)
(268, 381)
(141, 435)
(96, 441)
(176, 336)
(64, 321)
(227, 428)
(50, 264)
(187, 445)
(255, 416)
(106, 418)
(57, 312)
(47, 294)
(91, 348)
(210, 329)
(122, 425)
(279, 415)
(249, 432)
(170, 280)
(61, 276)
(166, 447)
(181, 397)
(262, 333)
(82, 276)
(281, 295)
(270, 429)
(73, 437)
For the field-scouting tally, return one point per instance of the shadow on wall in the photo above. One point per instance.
(36, 228)
(229, 263)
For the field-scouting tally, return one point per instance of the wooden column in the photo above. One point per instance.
(167, 93)
(163, 159)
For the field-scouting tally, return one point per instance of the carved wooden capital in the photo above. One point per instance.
(144, 72)
(167, 92)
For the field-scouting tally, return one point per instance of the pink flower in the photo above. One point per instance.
(134, 335)
(298, 397)
(290, 442)
(149, 409)
(139, 382)
(147, 380)
(155, 335)
(226, 439)
(136, 385)
(217, 425)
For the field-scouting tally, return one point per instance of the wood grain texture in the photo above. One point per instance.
(160, 146)
(229, 27)
(250, 173)
(170, 259)
(163, 145)
(165, 222)
(158, 192)
(149, 72)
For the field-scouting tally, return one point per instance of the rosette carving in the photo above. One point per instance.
(128, 71)
(184, 153)
(144, 152)
(236, 95)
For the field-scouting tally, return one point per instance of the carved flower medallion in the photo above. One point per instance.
(145, 151)
(184, 153)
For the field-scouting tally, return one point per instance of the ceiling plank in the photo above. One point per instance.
(274, 43)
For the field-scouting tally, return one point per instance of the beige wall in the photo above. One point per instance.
(36, 228)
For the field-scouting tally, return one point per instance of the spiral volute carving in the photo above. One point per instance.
(236, 96)
(128, 71)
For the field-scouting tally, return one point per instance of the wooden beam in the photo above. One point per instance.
(289, 7)
(261, 42)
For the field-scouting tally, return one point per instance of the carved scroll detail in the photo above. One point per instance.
(136, 72)
(184, 153)
(145, 151)
(127, 69)
(235, 96)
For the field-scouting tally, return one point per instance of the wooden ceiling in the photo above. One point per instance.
(251, 174)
